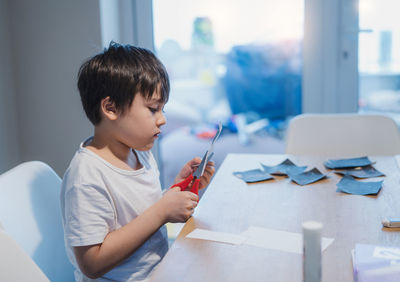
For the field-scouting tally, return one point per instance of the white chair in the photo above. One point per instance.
(15, 264)
(342, 135)
(30, 213)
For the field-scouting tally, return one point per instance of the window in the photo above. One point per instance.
(231, 57)
(379, 57)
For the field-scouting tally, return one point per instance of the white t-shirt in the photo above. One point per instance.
(97, 198)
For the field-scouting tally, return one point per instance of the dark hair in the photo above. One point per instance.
(120, 72)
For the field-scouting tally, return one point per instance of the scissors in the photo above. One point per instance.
(192, 182)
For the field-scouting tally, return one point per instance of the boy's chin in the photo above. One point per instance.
(145, 148)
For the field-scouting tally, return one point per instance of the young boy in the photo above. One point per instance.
(112, 205)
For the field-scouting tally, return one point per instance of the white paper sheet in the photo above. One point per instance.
(259, 237)
(222, 237)
(278, 240)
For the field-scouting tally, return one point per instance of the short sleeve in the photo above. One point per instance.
(89, 215)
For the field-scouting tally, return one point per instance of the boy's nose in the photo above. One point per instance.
(162, 120)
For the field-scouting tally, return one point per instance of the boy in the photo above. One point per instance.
(112, 206)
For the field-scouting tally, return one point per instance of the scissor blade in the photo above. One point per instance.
(200, 170)
(211, 149)
(207, 156)
(218, 132)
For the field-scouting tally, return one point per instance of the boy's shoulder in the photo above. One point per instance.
(83, 165)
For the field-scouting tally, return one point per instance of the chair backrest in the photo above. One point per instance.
(30, 213)
(342, 135)
(15, 264)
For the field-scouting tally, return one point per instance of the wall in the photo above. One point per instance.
(9, 155)
(50, 41)
(330, 56)
(117, 22)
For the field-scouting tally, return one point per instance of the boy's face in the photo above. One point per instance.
(139, 125)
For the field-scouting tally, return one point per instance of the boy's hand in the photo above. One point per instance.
(191, 167)
(178, 205)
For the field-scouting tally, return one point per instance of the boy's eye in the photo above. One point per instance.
(153, 110)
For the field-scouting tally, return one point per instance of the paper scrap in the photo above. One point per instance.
(284, 168)
(254, 175)
(347, 163)
(307, 177)
(279, 240)
(350, 185)
(259, 237)
(361, 172)
(216, 236)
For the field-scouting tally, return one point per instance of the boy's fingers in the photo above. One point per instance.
(192, 196)
(195, 162)
(208, 173)
(205, 182)
(210, 169)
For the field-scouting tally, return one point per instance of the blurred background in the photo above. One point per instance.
(252, 65)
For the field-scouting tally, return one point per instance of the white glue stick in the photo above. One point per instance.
(312, 265)
(391, 222)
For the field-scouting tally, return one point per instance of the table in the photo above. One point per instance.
(230, 205)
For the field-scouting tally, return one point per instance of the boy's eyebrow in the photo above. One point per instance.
(155, 100)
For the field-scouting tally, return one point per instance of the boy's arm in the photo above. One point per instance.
(96, 260)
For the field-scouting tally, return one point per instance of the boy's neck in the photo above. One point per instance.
(114, 152)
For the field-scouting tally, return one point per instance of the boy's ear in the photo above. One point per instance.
(108, 109)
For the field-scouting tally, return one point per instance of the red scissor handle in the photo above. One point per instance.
(184, 184)
(195, 186)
